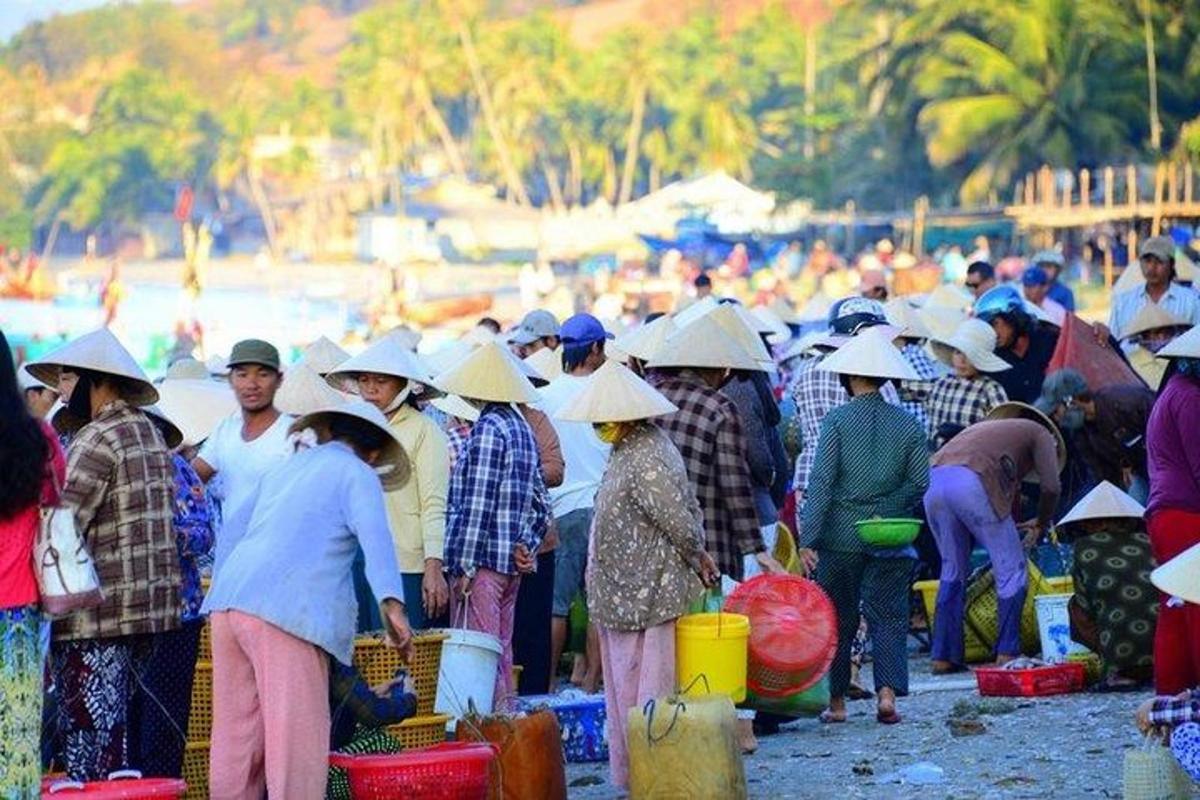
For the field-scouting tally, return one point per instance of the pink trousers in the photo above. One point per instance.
(489, 606)
(270, 712)
(638, 666)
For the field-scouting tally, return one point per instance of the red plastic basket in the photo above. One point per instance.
(451, 771)
(793, 633)
(60, 788)
(1032, 681)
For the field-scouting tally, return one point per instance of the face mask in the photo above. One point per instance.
(1072, 418)
(609, 432)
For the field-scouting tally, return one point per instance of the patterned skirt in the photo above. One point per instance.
(23, 641)
(1113, 589)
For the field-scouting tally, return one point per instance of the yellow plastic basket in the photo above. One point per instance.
(200, 719)
(974, 651)
(421, 731)
(205, 652)
(983, 610)
(195, 770)
(377, 663)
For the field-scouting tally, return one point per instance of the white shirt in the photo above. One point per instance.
(1178, 301)
(294, 565)
(239, 466)
(584, 455)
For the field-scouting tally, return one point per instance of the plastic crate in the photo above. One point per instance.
(421, 731)
(205, 651)
(582, 719)
(451, 771)
(378, 663)
(200, 717)
(1031, 681)
(195, 770)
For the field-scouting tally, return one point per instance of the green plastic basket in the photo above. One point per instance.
(881, 532)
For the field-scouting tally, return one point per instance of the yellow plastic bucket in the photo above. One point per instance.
(711, 652)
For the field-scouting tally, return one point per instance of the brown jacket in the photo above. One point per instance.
(647, 535)
(550, 457)
(121, 485)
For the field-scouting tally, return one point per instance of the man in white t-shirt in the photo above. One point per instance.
(585, 456)
(244, 446)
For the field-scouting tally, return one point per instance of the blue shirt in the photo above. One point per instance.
(194, 520)
(293, 566)
(495, 500)
(1062, 294)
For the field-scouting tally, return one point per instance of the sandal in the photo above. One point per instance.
(830, 717)
(887, 717)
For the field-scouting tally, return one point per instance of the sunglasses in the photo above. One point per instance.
(972, 286)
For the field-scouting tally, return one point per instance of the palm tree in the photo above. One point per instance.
(634, 67)
(1001, 87)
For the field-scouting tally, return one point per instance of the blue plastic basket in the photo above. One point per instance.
(582, 720)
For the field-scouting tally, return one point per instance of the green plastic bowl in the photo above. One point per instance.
(881, 532)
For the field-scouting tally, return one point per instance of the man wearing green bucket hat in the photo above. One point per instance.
(871, 462)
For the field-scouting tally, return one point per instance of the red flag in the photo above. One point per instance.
(184, 199)
(1096, 361)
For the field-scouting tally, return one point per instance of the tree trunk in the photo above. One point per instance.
(259, 196)
(445, 136)
(810, 90)
(511, 176)
(632, 144)
(1152, 77)
(610, 176)
(575, 158)
(553, 183)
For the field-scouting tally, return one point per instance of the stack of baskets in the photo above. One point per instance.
(374, 659)
(377, 663)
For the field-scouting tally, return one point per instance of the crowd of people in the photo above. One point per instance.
(492, 482)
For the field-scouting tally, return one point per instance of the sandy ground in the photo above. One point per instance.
(1060, 747)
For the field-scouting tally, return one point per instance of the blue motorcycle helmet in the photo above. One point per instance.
(1003, 300)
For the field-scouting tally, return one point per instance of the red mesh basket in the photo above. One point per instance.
(1044, 681)
(793, 633)
(451, 771)
(61, 788)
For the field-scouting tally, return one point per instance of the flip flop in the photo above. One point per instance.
(831, 718)
(891, 718)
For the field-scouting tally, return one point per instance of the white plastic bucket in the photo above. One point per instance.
(1054, 626)
(467, 676)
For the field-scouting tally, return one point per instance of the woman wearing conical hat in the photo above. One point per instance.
(1115, 607)
(871, 461)
(392, 378)
(498, 512)
(647, 557)
(121, 485)
(1173, 510)
(1151, 330)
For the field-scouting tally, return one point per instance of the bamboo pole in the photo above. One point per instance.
(1131, 190)
(1108, 269)
(1172, 183)
(1030, 189)
(1187, 182)
(1085, 188)
(1160, 176)
(1110, 177)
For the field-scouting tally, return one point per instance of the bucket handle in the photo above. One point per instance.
(699, 677)
(649, 709)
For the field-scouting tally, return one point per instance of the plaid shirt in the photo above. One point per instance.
(1171, 711)
(121, 486)
(816, 393)
(913, 394)
(708, 432)
(497, 498)
(960, 402)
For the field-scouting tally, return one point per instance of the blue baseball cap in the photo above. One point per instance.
(1035, 276)
(583, 329)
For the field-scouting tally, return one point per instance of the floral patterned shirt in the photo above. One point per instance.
(194, 519)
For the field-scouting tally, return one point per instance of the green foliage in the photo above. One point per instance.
(102, 113)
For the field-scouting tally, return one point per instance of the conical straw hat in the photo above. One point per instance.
(949, 295)
(695, 311)
(615, 394)
(941, 322)
(450, 355)
(870, 354)
(1180, 577)
(304, 392)
(393, 466)
(547, 362)
(197, 406)
(704, 344)
(172, 434)
(489, 373)
(765, 322)
(406, 336)
(740, 325)
(782, 309)
(386, 356)
(816, 309)
(900, 314)
(976, 340)
(187, 369)
(98, 351)
(1185, 346)
(323, 355)
(1150, 317)
(26, 381)
(1106, 501)
(1015, 410)
(643, 342)
(455, 406)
